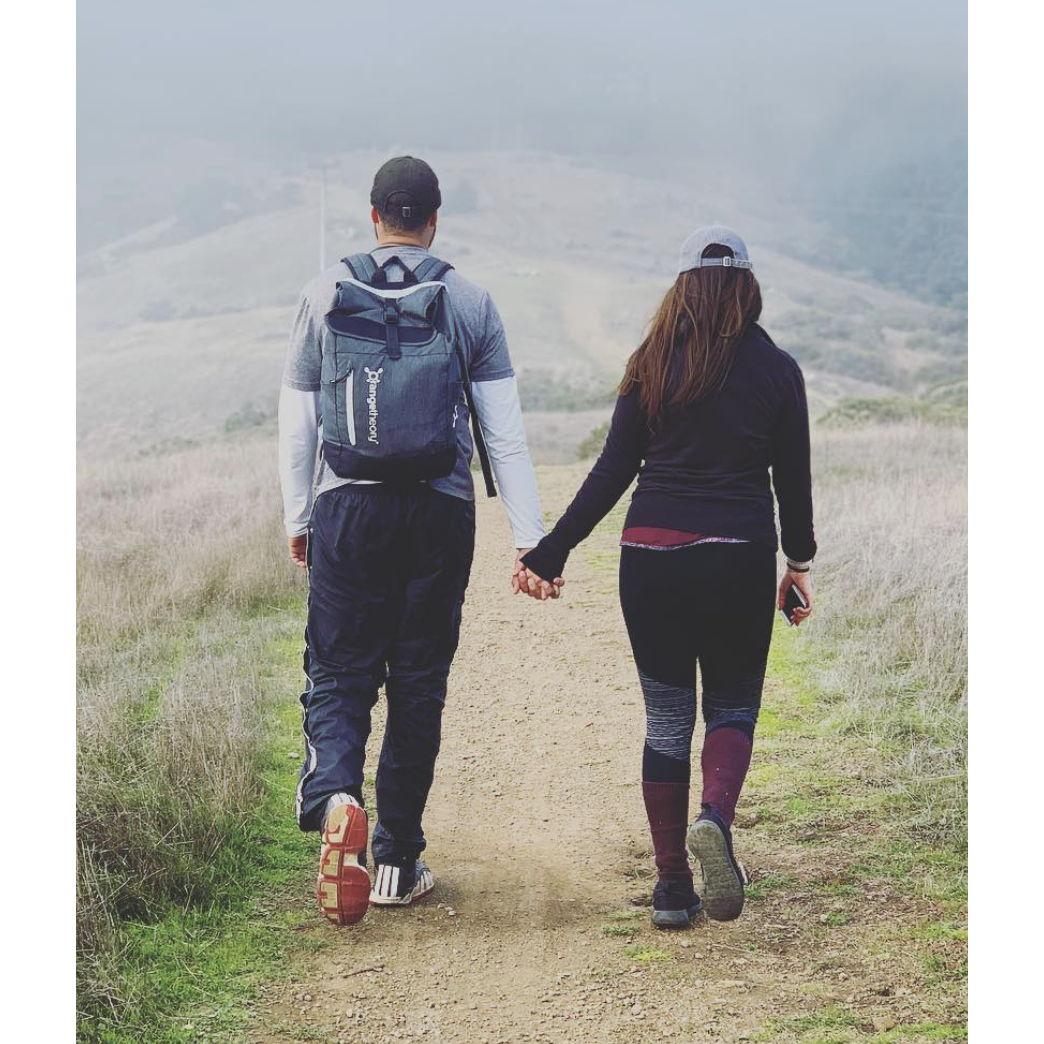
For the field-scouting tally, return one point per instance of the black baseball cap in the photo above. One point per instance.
(406, 185)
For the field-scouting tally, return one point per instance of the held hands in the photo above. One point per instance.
(525, 581)
(803, 582)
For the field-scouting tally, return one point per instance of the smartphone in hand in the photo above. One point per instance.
(794, 599)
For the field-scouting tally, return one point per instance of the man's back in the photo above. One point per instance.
(482, 339)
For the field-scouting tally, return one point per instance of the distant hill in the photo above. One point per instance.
(183, 323)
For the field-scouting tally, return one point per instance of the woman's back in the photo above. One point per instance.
(713, 455)
(708, 404)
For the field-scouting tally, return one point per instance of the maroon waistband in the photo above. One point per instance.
(654, 537)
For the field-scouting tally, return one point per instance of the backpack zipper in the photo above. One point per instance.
(349, 405)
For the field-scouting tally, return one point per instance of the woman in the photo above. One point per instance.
(708, 404)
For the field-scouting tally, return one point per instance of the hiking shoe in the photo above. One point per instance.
(675, 904)
(710, 844)
(400, 885)
(343, 886)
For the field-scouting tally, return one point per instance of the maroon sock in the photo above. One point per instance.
(667, 805)
(725, 760)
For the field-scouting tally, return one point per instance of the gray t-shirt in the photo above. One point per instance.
(482, 335)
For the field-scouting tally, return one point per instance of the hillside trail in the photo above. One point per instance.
(538, 927)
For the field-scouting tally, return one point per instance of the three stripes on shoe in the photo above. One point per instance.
(343, 886)
(393, 887)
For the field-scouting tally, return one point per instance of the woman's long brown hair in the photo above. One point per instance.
(689, 347)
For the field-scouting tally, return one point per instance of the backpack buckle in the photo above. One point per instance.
(391, 329)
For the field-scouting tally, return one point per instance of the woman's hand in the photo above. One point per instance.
(525, 581)
(803, 582)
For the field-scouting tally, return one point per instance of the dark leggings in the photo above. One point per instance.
(709, 606)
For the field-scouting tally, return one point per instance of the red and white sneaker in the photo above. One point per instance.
(343, 886)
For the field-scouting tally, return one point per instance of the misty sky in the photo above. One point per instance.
(667, 76)
(849, 110)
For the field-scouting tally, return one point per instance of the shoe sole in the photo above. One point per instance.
(343, 886)
(675, 918)
(722, 890)
(381, 900)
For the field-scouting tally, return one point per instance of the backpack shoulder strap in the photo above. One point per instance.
(362, 266)
(476, 425)
(432, 268)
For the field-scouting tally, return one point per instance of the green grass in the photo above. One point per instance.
(622, 931)
(629, 914)
(836, 1025)
(190, 973)
(837, 919)
(770, 884)
(921, 1031)
(647, 954)
(933, 930)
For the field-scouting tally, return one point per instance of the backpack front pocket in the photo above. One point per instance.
(338, 405)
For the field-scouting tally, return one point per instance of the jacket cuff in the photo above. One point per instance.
(800, 554)
(546, 560)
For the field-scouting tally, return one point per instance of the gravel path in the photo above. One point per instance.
(538, 927)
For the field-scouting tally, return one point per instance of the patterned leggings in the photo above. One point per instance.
(709, 606)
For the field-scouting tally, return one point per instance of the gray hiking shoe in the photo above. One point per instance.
(710, 844)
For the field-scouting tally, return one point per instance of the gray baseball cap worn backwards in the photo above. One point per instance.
(713, 235)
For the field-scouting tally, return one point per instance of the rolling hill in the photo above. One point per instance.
(182, 324)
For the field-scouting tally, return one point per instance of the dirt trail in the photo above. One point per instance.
(538, 928)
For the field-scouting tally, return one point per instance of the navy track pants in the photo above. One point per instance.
(388, 568)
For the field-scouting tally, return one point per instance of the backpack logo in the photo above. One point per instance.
(373, 378)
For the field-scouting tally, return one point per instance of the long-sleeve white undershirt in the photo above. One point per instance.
(298, 446)
(500, 416)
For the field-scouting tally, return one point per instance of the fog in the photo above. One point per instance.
(852, 113)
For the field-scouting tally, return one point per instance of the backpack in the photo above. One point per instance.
(392, 375)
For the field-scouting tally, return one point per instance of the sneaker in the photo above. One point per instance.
(400, 885)
(343, 886)
(710, 844)
(675, 904)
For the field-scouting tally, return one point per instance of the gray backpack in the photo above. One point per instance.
(393, 376)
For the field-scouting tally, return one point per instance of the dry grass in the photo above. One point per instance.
(891, 628)
(181, 560)
(178, 554)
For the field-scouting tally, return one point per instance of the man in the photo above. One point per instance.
(388, 561)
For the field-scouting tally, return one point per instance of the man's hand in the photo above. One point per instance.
(803, 582)
(518, 571)
(525, 581)
(299, 550)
